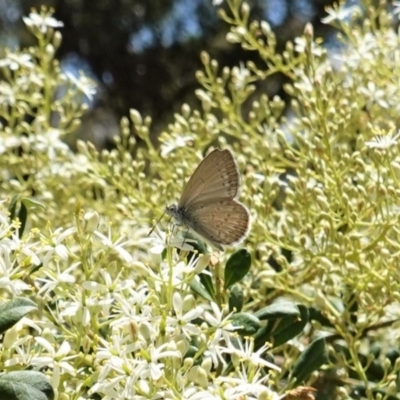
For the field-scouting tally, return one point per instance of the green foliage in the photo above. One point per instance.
(310, 360)
(127, 315)
(25, 385)
(237, 267)
(12, 311)
(20, 385)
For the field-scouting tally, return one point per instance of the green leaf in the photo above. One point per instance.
(207, 282)
(310, 360)
(12, 208)
(262, 336)
(36, 268)
(236, 299)
(191, 352)
(237, 267)
(198, 245)
(32, 203)
(25, 385)
(290, 327)
(198, 288)
(22, 216)
(280, 309)
(12, 311)
(248, 322)
(316, 315)
(285, 321)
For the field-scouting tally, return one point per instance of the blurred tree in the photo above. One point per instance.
(144, 53)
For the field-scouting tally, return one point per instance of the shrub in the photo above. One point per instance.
(310, 303)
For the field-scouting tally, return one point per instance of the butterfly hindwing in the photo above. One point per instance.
(224, 221)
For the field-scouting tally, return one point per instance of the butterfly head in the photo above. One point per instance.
(175, 211)
(171, 209)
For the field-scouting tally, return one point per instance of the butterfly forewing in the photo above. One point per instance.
(217, 176)
(222, 222)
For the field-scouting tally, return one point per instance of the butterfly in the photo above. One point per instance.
(209, 204)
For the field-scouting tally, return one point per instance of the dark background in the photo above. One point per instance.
(144, 53)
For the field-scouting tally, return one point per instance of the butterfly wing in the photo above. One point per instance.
(217, 176)
(221, 222)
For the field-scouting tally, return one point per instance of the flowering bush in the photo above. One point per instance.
(97, 308)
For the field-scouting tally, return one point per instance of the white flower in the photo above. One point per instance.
(155, 368)
(194, 393)
(383, 142)
(247, 385)
(246, 354)
(340, 13)
(374, 95)
(301, 44)
(118, 371)
(54, 247)
(105, 294)
(7, 95)
(15, 61)
(159, 242)
(240, 76)
(22, 350)
(174, 143)
(8, 142)
(48, 142)
(43, 22)
(181, 320)
(18, 343)
(223, 330)
(56, 360)
(56, 278)
(117, 245)
(11, 265)
(84, 84)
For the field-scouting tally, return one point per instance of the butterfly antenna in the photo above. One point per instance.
(154, 227)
